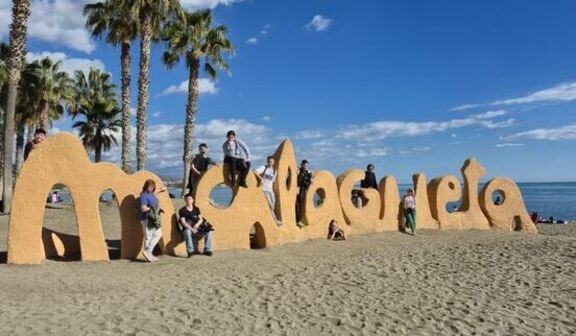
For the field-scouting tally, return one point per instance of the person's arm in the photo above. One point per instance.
(144, 205)
(212, 162)
(259, 173)
(161, 190)
(225, 149)
(185, 224)
(245, 149)
(193, 168)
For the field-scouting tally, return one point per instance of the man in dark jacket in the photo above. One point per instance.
(369, 180)
(200, 165)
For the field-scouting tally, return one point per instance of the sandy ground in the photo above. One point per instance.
(437, 283)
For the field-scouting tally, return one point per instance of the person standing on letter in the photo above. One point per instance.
(267, 176)
(304, 181)
(409, 206)
(200, 165)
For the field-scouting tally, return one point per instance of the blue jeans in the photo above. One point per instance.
(190, 242)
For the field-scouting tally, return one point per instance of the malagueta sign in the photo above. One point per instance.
(62, 160)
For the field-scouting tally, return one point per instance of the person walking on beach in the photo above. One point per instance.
(369, 180)
(267, 177)
(409, 206)
(39, 136)
(237, 156)
(149, 216)
(200, 165)
(304, 181)
(195, 226)
(335, 232)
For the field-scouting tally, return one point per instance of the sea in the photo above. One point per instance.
(548, 199)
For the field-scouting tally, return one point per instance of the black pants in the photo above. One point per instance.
(300, 200)
(237, 166)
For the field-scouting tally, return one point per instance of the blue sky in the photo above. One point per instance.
(412, 86)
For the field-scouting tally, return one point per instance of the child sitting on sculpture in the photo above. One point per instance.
(335, 232)
(193, 225)
(237, 157)
(149, 216)
(267, 176)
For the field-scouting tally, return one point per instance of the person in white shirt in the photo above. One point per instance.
(266, 175)
(409, 206)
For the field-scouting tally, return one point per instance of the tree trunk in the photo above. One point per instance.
(30, 134)
(19, 148)
(98, 146)
(126, 118)
(143, 82)
(191, 109)
(20, 14)
(44, 118)
(2, 115)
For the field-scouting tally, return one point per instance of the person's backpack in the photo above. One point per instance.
(154, 218)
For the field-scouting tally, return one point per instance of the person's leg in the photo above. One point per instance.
(244, 170)
(413, 213)
(156, 235)
(189, 242)
(271, 199)
(410, 220)
(231, 162)
(147, 237)
(208, 243)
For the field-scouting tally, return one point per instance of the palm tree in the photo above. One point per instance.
(197, 41)
(16, 51)
(114, 18)
(95, 100)
(151, 15)
(53, 86)
(27, 111)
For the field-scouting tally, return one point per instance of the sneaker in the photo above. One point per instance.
(208, 253)
(147, 256)
(190, 254)
(300, 224)
(154, 258)
(243, 185)
(279, 223)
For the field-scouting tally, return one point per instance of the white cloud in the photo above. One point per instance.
(266, 29)
(502, 145)
(310, 134)
(55, 21)
(387, 129)
(266, 118)
(195, 4)
(319, 23)
(157, 114)
(490, 114)
(206, 87)
(252, 40)
(165, 143)
(564, 92)
(68, 64)
(567, 132)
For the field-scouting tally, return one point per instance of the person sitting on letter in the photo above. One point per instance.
(194, 225)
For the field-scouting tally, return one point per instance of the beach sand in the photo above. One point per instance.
(437, 283)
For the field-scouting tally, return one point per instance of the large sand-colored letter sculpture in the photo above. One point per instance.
(62, 160)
